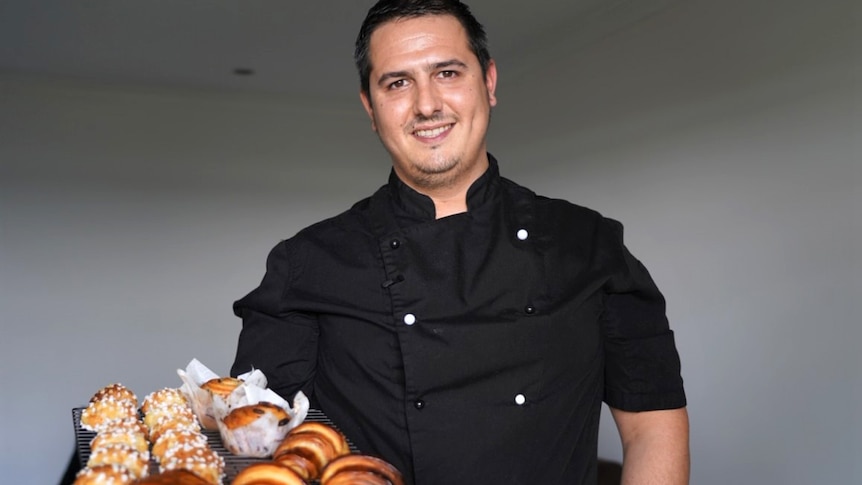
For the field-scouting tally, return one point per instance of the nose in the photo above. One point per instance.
(428, 101)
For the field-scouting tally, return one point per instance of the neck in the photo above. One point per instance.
(449, 196)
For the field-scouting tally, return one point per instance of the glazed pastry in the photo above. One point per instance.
(361, 463)
(173, 477)
(267, 474)
(335, 438)
(246, 415)
(356, 478)
(302, 466)
(311, 446)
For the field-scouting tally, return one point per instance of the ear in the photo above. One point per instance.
(491, 82)
(366, 103)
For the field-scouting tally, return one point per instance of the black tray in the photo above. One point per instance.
(232, 463)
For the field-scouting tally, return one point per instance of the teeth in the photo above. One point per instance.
(432, 133)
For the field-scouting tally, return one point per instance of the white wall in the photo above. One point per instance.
(721, 133)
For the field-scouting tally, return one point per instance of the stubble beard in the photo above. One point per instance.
(439, 171)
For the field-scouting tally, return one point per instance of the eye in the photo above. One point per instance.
(448, 74)
(397, 84)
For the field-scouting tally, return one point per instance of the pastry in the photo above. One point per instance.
(335, 438)
(103, 475)
(246, 415)
(202, 460)
(176, 437)
(98, 415)
(137, 463)
(117, 392)
(361, 463)
(356, 478)
(302, 466)
(221, 386)
(128, 436)
(267, 474)
(173, 477)
(163, 397)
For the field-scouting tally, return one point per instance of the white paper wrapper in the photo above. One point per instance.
(260, 438)
(201, 400)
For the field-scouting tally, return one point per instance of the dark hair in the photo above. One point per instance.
(386, 10)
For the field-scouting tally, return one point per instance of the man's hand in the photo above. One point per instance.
(655, 446)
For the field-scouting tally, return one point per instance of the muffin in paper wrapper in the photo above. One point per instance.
(261, 437)
(195, 375)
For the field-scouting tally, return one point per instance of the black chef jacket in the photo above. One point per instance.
(474, 349)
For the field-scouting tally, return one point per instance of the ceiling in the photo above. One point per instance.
(301, 49)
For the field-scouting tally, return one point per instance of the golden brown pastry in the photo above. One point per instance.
(302, 466)
(335, 438)
(168, 412)
(202, 460)
(173, 438)
(311, 446)
(163, 397)
(128, 436)
(361, 463)
(117, 392)
(221, 386)
(245, 415)
(267, 474)
(98, 415)
(104, 475)
(356, 478)
(137, 463)
(173, 477)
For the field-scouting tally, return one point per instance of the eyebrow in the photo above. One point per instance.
(431, 67)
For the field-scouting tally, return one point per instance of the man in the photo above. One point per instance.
(455, 323)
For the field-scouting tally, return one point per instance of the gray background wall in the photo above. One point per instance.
(724, 135)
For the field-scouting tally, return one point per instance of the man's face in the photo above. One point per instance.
(428, 101)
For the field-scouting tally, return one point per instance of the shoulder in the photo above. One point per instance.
(557, 212)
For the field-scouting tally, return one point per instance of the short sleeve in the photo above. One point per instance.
(642, 366)
(275, 338)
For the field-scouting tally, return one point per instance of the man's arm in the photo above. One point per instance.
(655, 446)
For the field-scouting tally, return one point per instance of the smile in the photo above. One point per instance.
(433, 133)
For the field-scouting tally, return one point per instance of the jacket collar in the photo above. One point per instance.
(412, 206)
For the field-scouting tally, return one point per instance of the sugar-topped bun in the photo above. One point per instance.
(221, 386)
(98, 415)
(117, 392)
(201, 460)
(121, 436)
(136, 462)
(173, 438)
(168, 412)
(163, 397)
(104, 475)
(269, 474)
